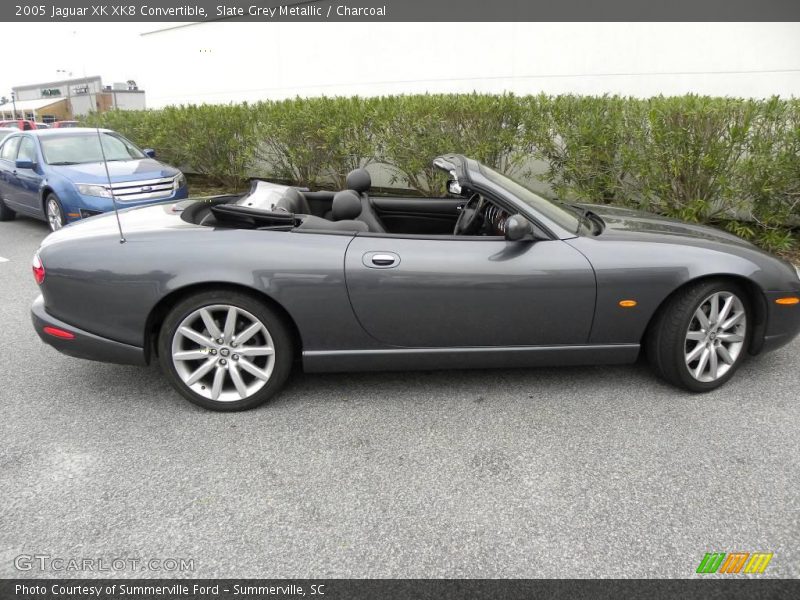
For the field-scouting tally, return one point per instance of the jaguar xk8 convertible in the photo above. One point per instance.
(227, 294)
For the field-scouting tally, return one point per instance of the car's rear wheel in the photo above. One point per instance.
(701, 335)
(225, 350)
(53, 212)
(6, 214)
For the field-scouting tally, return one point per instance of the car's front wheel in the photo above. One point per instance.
(701, 335)
(225, 350)
(53, 212)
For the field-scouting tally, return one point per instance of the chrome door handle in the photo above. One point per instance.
(383, 260)
(380, 260)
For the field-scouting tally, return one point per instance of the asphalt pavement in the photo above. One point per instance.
(571, 472)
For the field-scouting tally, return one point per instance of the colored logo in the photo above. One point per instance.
(734, 562)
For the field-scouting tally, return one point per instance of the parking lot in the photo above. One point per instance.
(574, 472)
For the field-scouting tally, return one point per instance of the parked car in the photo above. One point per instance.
(226, 295)
(21, 124)
(40, 125)
(61, 124)
(60, 176)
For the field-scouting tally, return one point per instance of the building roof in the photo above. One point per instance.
(58, 83)
(23, 105)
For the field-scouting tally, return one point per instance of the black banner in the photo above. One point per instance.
(400, 10)
(387, 589)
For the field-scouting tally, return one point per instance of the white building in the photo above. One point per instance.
(70, 98)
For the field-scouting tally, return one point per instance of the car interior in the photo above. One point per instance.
(355, 209)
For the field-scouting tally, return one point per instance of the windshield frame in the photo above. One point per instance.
(43, 140)
(554, 211)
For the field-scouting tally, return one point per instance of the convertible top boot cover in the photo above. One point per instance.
(311, 222)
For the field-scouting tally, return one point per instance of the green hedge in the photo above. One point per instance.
(725, 161)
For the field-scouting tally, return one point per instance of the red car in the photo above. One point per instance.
(22, 124)
(59, 124)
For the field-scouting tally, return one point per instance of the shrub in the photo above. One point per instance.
(412, 130)
(317, 139)
(217, 141)
(726, 161)
(581, 139)
(684, 152)
(768, 177)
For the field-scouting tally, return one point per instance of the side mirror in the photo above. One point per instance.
(149, 152)
(518, 228)
(24, 163)
(453, 187)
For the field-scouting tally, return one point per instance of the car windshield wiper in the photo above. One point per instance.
(581, 213)
(594, 221)
(64, 162)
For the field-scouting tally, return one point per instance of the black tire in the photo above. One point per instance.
(6, 214)
(666, 342)
(53, 198)
(276, 331)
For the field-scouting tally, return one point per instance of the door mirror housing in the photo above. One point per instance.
(518, 228)
(149, 152)
(24, 163)
(453, 187)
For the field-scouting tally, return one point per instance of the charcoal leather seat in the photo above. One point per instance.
(359, 181)
(293, 202)
(345, 212)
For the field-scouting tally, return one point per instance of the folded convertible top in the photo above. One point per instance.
(252, 218)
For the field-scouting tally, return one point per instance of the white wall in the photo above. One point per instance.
(129, 101)
(225, 61)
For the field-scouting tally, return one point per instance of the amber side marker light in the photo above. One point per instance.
(627, 303)
(59, 333)
(788, 300)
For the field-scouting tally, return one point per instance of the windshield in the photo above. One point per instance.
(555, 212)
(85, 148)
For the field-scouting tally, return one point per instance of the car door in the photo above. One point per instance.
(8, 154)
(450, 291)
(25, 183)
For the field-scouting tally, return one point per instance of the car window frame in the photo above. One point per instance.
(10, 139)
(23, 139)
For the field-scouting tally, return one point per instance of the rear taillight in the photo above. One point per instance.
(59, 333)
(38, 269)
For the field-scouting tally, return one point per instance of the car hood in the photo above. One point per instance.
(134, 221)
(127, 170)
(630, 223)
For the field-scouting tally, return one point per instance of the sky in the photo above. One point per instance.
(227, 61)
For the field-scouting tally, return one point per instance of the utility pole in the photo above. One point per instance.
(14, 102)
(69, 95)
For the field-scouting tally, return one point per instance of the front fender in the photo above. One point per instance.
(649, 272)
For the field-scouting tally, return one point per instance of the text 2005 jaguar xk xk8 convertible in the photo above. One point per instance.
(228, 294)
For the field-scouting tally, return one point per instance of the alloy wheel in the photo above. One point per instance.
(54, 217)
(715, 337)
(223, 353)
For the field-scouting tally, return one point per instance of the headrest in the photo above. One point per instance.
(293, 201)
(359, 180)
(346, 206)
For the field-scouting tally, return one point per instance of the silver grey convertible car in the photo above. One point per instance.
(227, 294)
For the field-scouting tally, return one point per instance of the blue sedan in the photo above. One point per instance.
(60, 176)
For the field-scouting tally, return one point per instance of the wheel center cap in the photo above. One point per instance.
(713, 335)
(224, 352)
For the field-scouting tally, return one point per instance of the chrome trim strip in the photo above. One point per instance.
(473, 357)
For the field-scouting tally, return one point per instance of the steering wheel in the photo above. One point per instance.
(470, 217)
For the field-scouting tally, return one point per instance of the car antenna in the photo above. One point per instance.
(110, 187)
